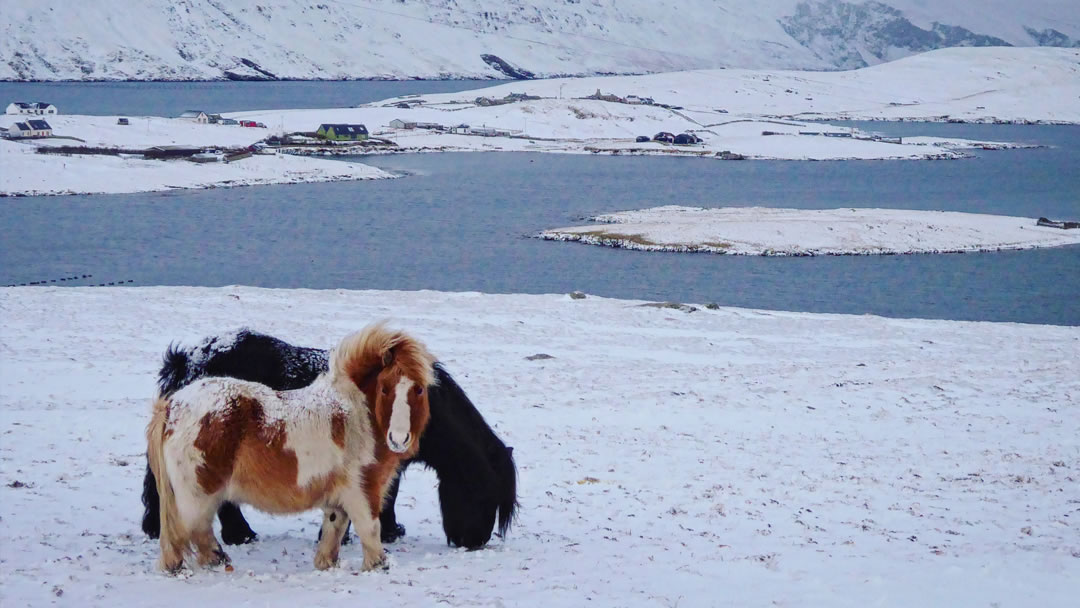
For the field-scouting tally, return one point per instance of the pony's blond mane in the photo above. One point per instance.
(361, 353)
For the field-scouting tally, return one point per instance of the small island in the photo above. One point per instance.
(807, 232)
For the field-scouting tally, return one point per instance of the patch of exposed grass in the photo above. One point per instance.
(616, 236)
(581, 114)
(718, 244)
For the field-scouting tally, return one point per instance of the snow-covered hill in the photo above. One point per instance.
(325, 39)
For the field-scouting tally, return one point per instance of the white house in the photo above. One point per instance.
(195, 116)
(30, 128)
(397, 123)
(33, 108)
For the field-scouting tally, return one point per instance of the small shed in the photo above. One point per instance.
(123, 121)
(342, 132)
(33, 108)
(398, 123)
(195, 116)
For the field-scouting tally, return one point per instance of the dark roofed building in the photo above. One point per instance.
(31, 107)
(342, 132)
(30, 128)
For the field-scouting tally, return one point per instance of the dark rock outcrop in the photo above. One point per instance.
(506, 68)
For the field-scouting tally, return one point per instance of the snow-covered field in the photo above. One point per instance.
(27, 173)
(722, 457)
(770, 231)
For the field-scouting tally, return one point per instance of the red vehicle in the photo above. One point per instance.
(248, 123)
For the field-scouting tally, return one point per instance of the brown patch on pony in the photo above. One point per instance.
(377, 478)
(218, 439)
(239, 446)
(337, 429)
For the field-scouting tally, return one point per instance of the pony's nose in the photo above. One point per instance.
(398, 444)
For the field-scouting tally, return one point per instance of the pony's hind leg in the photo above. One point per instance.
(210, 551)
(234, 528)
(200, 515)
(195, 512)
(335, 521)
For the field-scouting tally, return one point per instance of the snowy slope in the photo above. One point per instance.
(718, 458)
(307, 39)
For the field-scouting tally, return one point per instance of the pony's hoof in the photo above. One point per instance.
(171, 569)
(380, 563)
(392, 533)
(241, 537)
(325, 562)
(217, 558)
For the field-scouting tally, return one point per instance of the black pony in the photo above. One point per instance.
(477, 476)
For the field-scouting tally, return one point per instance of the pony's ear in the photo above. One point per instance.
(387, 357)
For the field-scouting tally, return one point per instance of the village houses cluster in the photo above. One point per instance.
(203, 118)
(31, 127)
(35, 126)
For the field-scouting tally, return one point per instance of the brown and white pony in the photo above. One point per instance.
(335, 445)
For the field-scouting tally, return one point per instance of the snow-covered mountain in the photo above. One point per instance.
(328, 39)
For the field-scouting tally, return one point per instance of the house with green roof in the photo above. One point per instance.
(342, 132)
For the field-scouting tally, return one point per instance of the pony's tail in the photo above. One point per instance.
(174, 370)
(173, 537)
(506, 472)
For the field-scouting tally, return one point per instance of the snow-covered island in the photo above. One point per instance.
(715, 114)
(733, 113)
(718, 457)
(120, 167)
(796, 232)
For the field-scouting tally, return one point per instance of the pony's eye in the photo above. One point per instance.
(385, 391)
(419, 390)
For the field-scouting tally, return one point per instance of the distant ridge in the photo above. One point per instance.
(441, 39)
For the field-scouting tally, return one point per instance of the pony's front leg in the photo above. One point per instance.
(335, 521)
(367, 528)
(390, 529)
